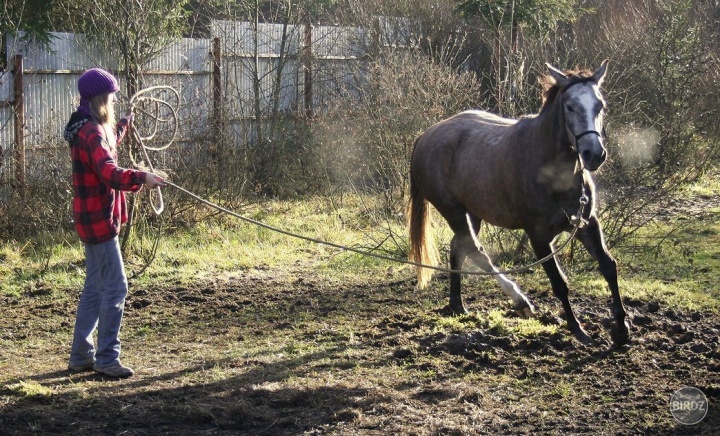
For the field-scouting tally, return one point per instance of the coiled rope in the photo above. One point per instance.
(161, 112)
(167, 112)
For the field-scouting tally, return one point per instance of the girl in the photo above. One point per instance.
(99, 209)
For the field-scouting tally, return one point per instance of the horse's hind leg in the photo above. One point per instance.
(465, 243)
(521, 303)
(457, 258)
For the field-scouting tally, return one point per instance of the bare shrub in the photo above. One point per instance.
(662, 130)
(367, 142)
(43, 204)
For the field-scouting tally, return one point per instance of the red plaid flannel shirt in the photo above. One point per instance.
(99, 205)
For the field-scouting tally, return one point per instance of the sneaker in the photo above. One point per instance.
(117, 370)
(81, 367)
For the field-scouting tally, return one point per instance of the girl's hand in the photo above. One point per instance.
(154, 181)
(129, 116)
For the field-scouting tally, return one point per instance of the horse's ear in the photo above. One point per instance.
(599, 74)
(560, 78)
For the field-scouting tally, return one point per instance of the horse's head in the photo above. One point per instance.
(583, 106)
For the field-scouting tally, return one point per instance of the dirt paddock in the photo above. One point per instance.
(264, 352)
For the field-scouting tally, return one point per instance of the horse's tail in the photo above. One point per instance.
(422, 244)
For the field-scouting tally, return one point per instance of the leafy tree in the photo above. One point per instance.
(31, 16)
(538, 16)
(35, 18)
(138, 30)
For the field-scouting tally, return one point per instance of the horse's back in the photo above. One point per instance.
(472, 136)
(470, 129)
(472, 122)
(464, 162)
(485, 118)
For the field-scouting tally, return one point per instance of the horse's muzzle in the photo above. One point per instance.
(592, 161)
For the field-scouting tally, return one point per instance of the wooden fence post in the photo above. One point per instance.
(217, 117)
(308, 72)
(19, 117)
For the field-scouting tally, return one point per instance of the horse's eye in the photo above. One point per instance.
(569, 108)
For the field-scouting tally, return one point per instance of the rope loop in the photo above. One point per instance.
(159, 104)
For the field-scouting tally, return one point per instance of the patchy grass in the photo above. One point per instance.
(501, 323)
(681, 269)
(29, 390)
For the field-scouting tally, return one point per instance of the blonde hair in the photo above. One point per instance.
(103, 113)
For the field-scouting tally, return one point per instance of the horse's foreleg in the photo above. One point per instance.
(592, 237)
(543, 247)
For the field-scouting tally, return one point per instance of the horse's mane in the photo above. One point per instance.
(551, 88)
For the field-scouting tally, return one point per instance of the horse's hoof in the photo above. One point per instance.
(584, 338)
(452, 310)
(525, 311)
(459, 310)
(620, 333)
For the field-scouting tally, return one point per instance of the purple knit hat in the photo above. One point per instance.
(96, 81)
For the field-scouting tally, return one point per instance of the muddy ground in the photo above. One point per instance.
(284, 352)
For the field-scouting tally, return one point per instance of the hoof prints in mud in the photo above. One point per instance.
(683, 343)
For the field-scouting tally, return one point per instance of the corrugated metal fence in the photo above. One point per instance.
(313, 65)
